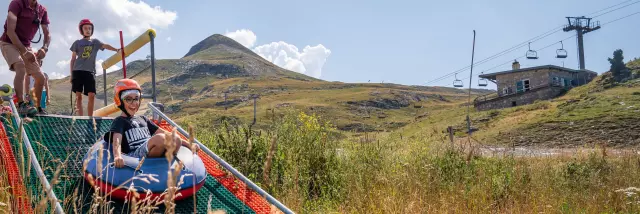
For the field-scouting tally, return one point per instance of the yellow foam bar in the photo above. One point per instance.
(130, 48)
(106, 111)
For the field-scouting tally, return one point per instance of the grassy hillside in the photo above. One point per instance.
(194, 87)
(396, 157)
(593, 114)
(193, 90)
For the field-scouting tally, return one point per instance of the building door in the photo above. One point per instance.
(519, 87)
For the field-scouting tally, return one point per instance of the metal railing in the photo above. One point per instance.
(34, 161)
(224, 164)
(495, 96)
(153, 96)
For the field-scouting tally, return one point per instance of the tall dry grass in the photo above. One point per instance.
(300, 161)
(5, 191)
(417, 174)
(85, 197)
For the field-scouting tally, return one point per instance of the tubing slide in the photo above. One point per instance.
(55, 157)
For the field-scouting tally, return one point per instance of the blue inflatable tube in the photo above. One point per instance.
(117, 181)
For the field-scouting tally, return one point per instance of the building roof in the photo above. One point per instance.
(493, 75)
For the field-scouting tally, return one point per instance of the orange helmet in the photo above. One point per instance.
(123, 85)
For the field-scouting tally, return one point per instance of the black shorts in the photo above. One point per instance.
(84, 82)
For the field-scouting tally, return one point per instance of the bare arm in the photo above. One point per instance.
(47, 37)
(25, 84)
(46, 86)
(12, 19)
(109, 47)
(116, 140)
(73, 61)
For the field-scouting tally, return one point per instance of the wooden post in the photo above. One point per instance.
(225, 100)
(450, 130)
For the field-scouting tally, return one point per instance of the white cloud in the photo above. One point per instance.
(133, 17)
(168, 39)
(137, 17)
(309, 62)
(5, 74)
(314, 58)
(243, 36)
(56, 75)
(109, 70)
(63, 64)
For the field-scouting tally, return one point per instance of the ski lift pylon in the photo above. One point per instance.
(482, 81)
(561, 53)
(457, 83)
(531, 54)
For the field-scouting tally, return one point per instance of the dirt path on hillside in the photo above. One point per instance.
(540, 151)
(494, 151)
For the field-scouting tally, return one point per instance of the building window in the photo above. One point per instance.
(556, 81)
(505, 90)
(522, 86)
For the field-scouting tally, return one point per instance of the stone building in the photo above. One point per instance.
(521, 86)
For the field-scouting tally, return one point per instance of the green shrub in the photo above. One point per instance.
(303, 160)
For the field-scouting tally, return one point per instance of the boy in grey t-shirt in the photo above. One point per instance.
(83, 65)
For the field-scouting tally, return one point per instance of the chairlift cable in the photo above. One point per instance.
(624, 17)
(555, 30)
(609, 7)
(609, 22)
(616, 9)
(511, 60)
(523, 43)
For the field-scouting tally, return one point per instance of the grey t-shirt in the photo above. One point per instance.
(86, 53)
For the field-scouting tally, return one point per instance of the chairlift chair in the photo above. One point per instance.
(561, 53)
(531, 54)
(457, 83)
(482, 81)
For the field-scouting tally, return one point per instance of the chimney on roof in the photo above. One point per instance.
(515, 65)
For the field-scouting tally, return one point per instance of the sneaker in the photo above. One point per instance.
(41, 111)
(24, 109)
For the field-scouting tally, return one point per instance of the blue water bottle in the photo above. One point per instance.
(43, 100)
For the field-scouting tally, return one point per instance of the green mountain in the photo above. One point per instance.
(195, 87)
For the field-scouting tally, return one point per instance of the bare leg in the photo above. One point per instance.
(79, 103)
(92, 98)
(39, 83)
(18, 80)
(33, 68)
(25, 85)
(157, 147)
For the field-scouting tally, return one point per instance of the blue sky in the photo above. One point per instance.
(405, 42)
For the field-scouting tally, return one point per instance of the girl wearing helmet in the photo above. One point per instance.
(136, 136)
(83, 65)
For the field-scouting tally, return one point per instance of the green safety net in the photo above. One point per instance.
(60, 144)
